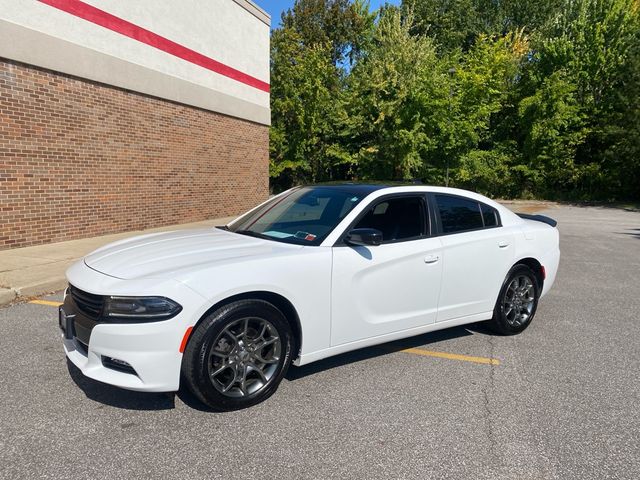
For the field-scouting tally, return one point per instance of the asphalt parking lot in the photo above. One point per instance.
(561, 400)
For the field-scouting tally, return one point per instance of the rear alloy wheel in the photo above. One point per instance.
(238, 355)
(517, 301)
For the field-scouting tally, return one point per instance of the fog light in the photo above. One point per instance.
(118, 365)
(119, 362)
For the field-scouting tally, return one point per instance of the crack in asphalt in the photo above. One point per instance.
(489, 387)
(519, 367)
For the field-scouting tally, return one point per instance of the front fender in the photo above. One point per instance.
(303, 278)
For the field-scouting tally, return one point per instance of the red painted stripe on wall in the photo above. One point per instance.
(128, 29)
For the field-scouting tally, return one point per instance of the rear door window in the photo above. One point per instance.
(458, 214)
(489, 215)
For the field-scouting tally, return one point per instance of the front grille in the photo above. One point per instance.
(88, 303)
(82, 347)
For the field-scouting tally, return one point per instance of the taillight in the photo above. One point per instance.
(544, 272)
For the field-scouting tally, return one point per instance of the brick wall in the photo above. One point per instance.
(80, 159)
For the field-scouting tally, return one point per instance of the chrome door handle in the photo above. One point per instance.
(503, 244)
(431, 259)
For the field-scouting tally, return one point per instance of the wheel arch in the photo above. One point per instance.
(280, 302)
(535, 266)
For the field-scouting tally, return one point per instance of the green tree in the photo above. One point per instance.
(310, 55)
(412, 114)
(481, 146)
(396, 102)
(587, 54)
(343, 25)
(622, 131)
(555, 128)
(511, 98)
(452, 24)
(305, 86)
(456, 24)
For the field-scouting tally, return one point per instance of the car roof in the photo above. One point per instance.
(362, 188)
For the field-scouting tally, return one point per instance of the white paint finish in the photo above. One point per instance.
(475, 267)
(255, 10)
(384, 289)
(542, 242)
(167, 254)
(302, 275)
(551, 261)
(17, 42)
(220, 29)
(380, 293)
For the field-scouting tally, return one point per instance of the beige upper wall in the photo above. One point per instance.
(233, 32)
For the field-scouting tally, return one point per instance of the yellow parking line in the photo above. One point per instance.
(46, 302)
(452, 356)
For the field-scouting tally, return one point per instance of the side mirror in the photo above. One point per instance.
(364, 237)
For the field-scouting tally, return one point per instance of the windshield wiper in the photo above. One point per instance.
(251, 233)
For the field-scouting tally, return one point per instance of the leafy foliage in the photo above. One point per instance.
(395, 100)
(512, 98)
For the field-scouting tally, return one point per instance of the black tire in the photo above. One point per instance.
(213, 339)
(503, 321)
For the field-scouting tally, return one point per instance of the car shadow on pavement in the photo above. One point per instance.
(633, 232)
(118, 397)
(423, 340)
(189, 399)
(630, 207)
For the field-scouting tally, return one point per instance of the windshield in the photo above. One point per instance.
(304, 216)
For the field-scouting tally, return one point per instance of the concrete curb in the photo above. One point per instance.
(41, 288)
(7, 295)
(42, 282)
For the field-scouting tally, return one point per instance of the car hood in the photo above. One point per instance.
(164, 255)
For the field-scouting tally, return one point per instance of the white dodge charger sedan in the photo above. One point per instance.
(313, 272)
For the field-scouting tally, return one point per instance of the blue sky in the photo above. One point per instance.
(275, 7)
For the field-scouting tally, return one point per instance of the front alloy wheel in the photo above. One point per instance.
(245, 357)
(237, 355)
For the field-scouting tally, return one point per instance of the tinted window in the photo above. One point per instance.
(489, 215)
(304, 216)
(458, 214)
(309, 209)
(400, 218)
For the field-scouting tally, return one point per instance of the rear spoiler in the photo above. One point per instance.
(538, 218)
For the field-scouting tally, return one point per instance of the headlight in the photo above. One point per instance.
(140, 308)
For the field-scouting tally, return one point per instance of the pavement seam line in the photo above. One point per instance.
(452, 356)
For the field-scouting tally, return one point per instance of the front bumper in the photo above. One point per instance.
(152, 349)
(152, 352)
